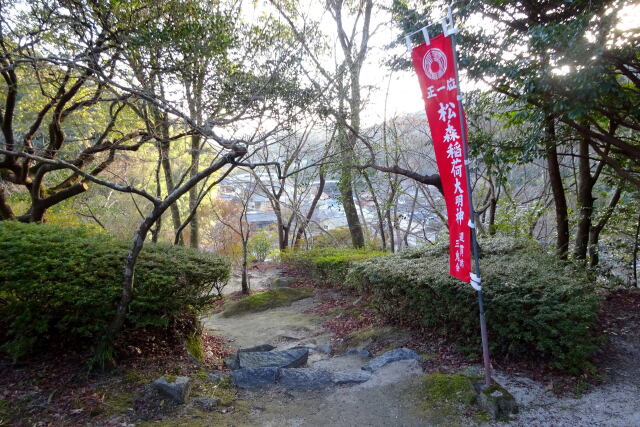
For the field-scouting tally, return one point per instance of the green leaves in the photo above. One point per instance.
(62, 285)
(535, 304)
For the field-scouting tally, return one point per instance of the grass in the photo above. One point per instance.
(117, 403)
(193, 345)
(265, 300)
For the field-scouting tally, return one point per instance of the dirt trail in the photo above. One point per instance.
(388, 398)
(391, 396)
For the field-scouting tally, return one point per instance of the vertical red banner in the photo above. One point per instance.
(434, 64)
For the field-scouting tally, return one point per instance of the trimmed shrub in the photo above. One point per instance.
(62, 284)
(535, 305)
(329, 265)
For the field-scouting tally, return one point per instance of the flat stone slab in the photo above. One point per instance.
(261, 347)
(293, 358)
(304, 378)
(254, 377)
(350, 377)
(389, 357)
(176, 388)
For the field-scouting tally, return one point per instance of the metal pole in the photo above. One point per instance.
(474, 243)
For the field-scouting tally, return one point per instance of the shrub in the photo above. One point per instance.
(329, 265)
(535, 304)
(62, 284)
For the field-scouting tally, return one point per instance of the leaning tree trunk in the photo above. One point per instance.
(305, 222)
(168, 177)
(141, 234)
(594, 233)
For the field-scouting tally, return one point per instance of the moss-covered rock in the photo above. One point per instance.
(265, 300)
(378, 339)
(496, 401)
(448, 389)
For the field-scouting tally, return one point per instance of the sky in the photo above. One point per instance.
(397, 93)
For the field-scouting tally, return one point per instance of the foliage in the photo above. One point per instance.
(338, 237)
(535, 303)
(265, 300)
(61, 285)
(260, 245)
(329, 265)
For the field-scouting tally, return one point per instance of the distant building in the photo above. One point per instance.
(260, 219)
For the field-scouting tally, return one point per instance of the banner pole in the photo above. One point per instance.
(475, 278)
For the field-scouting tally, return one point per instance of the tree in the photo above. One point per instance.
(261, 88)
(565, 68)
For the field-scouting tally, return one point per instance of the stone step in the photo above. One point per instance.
(295, 378)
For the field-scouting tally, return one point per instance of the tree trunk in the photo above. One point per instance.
(410, 223)
(594, 234)
(555, 180)
(168, 177)
(585, 201)
(303, 226)
(378, 211)
(635, 254)
(155, 233)
(140, 236)
(5, 209)
(245, 279)
(194, 225)
(346, 196)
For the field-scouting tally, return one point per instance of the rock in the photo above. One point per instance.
(205, 403)
(292, 358)
(261, 347)
(350, 377)
(324, 348)
(357, 352)
(304, 379)
(216, 376)
(177, 388)
(254, 377)
(390, 356)
(282, 282)
(232, 362)
(496, 401)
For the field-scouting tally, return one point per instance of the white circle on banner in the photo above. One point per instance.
(434, 63)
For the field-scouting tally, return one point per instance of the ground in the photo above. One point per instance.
(59, 392)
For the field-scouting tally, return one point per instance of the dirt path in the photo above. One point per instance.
(388, 398)
(391, 396)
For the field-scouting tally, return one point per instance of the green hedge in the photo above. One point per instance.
(62, 284)
(328, 265)
(536, 305)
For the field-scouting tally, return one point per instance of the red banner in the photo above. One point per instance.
(434, 64)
